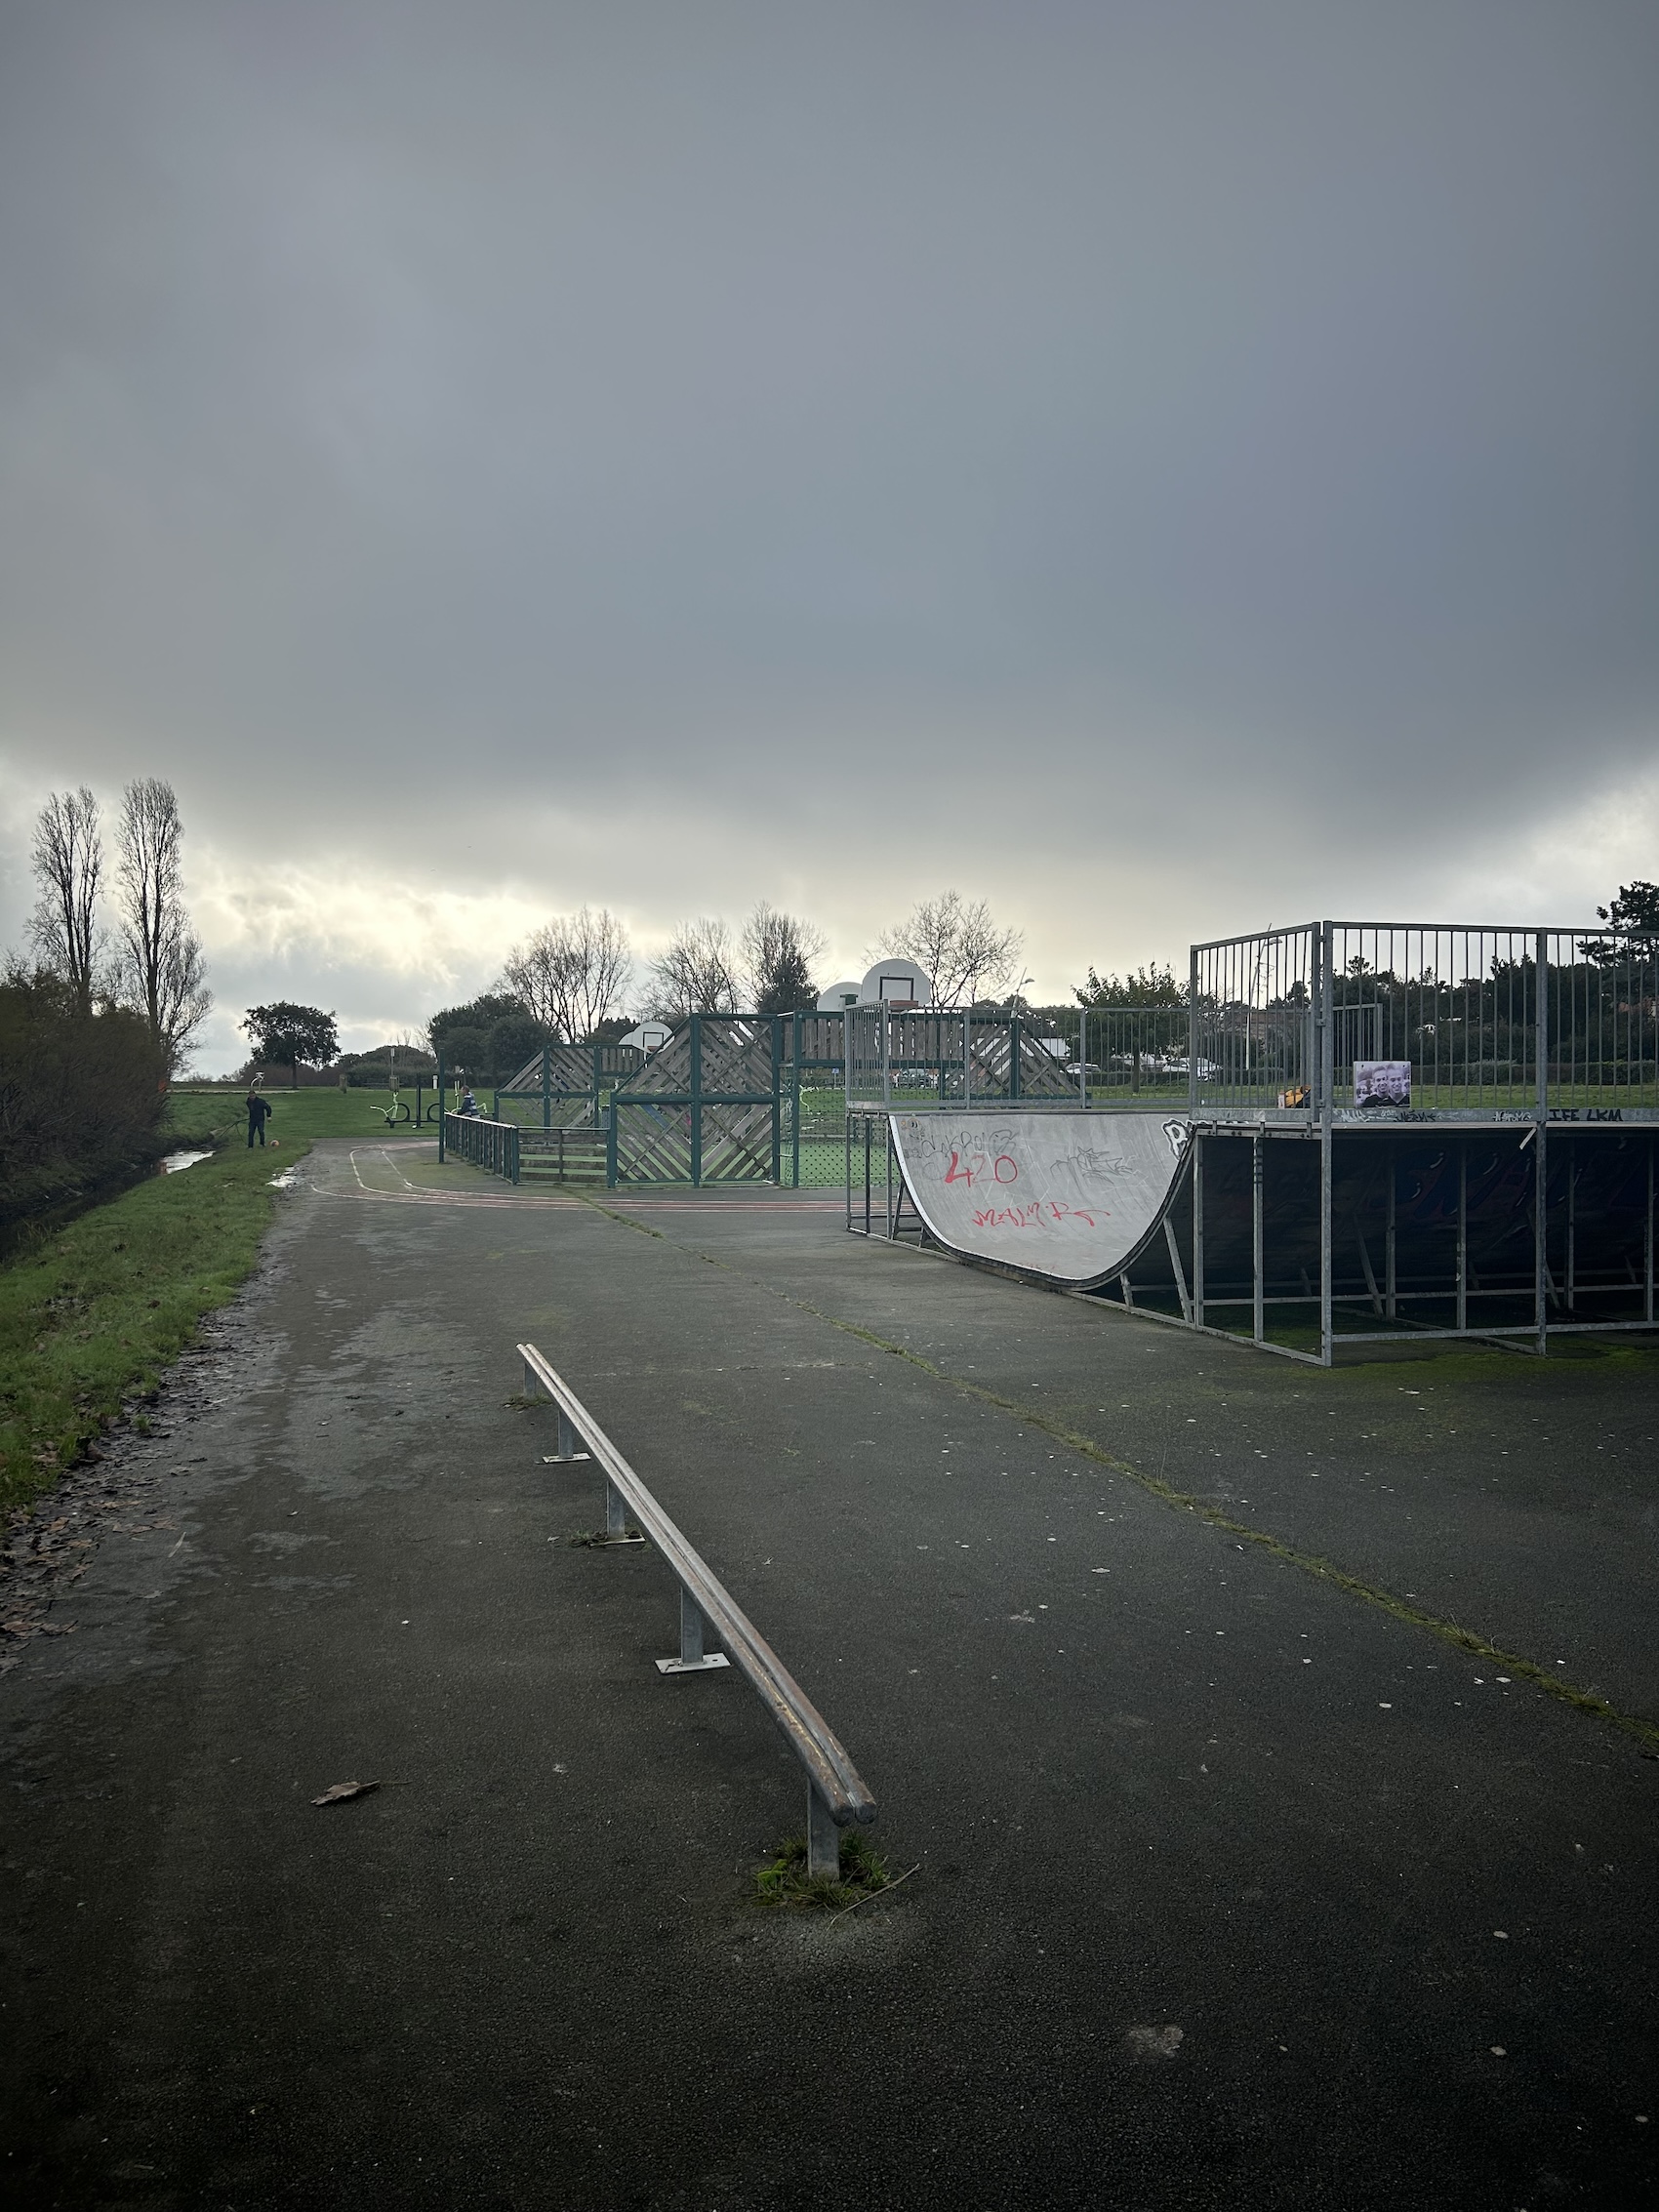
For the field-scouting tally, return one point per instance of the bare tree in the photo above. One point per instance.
(162, 969)
(572, 973)
(697, 974)
(778, 953)
(961, 951)
(68, 863)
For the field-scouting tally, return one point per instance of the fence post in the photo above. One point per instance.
(1327, 1143)
(547, 1086)
(1191, 1035)
(1540, 1141)
(696, 1101)
(777, 1026)
(1541, 1026)
(443, 1095)
(794, 1117)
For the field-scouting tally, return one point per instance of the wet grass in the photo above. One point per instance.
(94, 1311)
(785, 1885)
(297, 1116)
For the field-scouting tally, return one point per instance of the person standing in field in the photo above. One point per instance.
(260, 1111)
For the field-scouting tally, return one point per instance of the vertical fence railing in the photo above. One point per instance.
(1454, 1017)
(493, 1146)
(1251, 1014)
(1478, 1019)
(1601, 1018)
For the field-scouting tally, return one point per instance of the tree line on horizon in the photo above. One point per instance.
(568, 982)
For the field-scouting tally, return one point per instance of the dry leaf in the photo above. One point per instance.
(343, 1789)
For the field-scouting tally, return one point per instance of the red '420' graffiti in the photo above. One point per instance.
(980, 1167)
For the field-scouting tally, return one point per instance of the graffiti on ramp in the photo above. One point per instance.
(1072, 1197)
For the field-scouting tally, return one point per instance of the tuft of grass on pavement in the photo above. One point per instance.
(92, 1315)
(785, 1883)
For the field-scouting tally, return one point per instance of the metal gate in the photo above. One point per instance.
(709, 1107)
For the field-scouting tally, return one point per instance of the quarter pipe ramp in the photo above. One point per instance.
(1070, 1197)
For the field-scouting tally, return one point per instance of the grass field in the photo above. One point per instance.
(92, 1315)
(297, 1116)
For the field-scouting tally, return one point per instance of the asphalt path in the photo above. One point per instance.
(1236, 1885)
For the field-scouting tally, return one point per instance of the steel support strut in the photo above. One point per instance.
(692, 1658)
(1198, 1231)
(823, 1839)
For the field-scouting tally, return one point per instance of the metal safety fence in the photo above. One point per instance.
(493, 1146)
(1429, 1016)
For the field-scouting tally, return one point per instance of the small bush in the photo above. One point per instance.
(82, 1095)
(783, 1881)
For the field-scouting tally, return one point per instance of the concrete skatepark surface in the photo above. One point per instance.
(1234, 1888)
(1072, 1197)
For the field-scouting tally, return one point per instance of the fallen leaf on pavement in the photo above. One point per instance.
(343, 1789)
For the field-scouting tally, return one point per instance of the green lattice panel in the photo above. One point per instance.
(653, 1143)
(737, 1144)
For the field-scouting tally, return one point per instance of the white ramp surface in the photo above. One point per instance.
(1068, 1197)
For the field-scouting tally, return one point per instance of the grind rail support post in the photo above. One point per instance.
(835, 1791)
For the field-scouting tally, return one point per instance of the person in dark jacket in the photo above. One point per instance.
(260, 1112)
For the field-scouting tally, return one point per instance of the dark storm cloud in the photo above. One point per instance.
(1229, 426)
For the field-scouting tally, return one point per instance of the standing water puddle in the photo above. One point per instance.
(174, 1163)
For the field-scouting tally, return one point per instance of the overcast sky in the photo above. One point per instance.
(1166, 468)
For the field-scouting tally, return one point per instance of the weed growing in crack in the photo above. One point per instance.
(785, 1883)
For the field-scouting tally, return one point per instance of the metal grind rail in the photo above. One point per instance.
(835, 1796)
